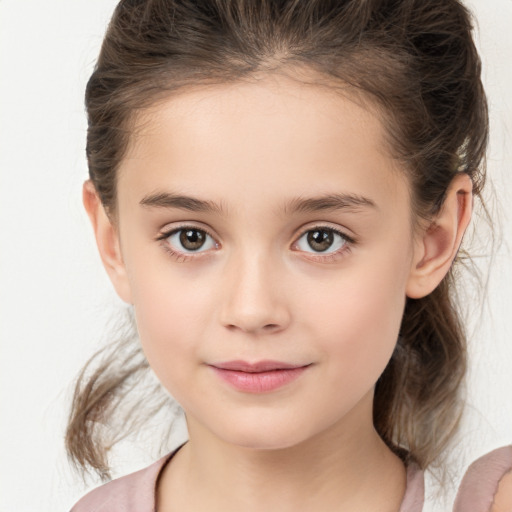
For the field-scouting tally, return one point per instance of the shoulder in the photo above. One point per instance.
(131, 493)
(487, 484)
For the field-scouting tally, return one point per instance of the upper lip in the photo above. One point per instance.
(259, 366)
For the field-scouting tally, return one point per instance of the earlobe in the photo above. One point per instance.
(107, 240)
(438, 244)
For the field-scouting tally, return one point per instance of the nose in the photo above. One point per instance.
(254, 296)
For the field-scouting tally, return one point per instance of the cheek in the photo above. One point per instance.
(361, 316)
(171, 311)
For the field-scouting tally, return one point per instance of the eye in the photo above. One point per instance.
(189, 240)
(323, 240)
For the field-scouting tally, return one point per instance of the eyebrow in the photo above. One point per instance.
(331, 202)
(192, 204)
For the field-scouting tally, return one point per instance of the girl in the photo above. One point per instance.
(280, 189)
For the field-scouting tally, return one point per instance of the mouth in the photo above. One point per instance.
(258, 377)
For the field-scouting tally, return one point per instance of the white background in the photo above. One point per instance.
(54, 296)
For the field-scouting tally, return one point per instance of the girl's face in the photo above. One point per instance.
(267, 246)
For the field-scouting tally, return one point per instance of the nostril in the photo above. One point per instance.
(264, 328)
(270, 327)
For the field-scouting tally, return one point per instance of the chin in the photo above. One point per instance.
(264, 437)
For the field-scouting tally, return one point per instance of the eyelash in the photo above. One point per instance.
(329, 257)
(181, 257)
(348, 243)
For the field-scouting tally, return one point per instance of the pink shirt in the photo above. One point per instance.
(480, 483)
(136, 492)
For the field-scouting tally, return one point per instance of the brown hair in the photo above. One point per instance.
(414, 59)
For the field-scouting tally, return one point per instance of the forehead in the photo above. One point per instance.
(271, 135)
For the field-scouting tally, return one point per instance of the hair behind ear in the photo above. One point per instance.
(419, 392)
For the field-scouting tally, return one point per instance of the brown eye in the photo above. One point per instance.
(322, 239)
(190, 239)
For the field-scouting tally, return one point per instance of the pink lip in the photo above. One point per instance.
(260, 377)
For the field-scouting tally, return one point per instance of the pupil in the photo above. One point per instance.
(192, 239)
(320, 239)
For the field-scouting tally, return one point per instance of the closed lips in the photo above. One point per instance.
(258, 367)
(260, 377)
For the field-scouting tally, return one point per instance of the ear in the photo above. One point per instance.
(107, 240)
(438, 243)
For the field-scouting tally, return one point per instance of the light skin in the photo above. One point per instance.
(503, 499)
(258, 289)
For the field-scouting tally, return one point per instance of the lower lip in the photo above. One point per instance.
(259, 382)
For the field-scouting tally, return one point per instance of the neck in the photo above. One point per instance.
(347, 467)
